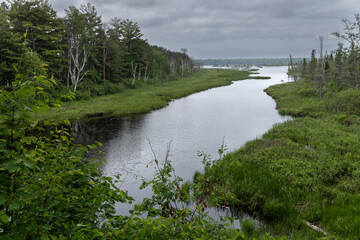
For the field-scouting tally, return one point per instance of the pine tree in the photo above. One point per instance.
(44, 30)
(11, 47)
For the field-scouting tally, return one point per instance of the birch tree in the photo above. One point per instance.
(83, 28)
(77, 61)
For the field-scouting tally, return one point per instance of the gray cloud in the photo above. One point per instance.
(231, 28)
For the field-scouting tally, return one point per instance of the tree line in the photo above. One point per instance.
(80, 50)
(247, 61)
(337, 70)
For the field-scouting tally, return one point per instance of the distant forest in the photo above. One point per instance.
(248, 61)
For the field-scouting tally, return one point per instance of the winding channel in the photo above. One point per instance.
(236, 113)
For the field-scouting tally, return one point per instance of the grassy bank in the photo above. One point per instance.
(302, 172)
(146, 98)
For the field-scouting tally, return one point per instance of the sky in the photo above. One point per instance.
(231, 28)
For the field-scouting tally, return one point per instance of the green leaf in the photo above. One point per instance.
(5, 218)
(25, 92)
(2, 200)
(15, 205)
(4, 118)
(76, 236)
(47, 227)
(28, 164)
(10, 167)
(45, 237)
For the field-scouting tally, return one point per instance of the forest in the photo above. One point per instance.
(84, 54)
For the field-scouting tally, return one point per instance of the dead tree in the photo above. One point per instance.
(77, 61)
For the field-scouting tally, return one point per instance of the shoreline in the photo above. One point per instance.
(316, 155)
(147, 98)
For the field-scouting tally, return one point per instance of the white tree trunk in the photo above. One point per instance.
(145, 74)
(77, 62)
(172, 65)
(133, 71)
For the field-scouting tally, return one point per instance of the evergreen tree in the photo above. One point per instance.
(10, 47)
(44, 30)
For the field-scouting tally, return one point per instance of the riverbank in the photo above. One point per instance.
(147, 98)
(301, 173)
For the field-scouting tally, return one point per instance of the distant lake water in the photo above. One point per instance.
(238, 113)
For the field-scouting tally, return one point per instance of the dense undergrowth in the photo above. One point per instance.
(305, 171)
(51, 188)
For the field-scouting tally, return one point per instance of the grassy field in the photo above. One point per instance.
(147, 98)
(302, 172)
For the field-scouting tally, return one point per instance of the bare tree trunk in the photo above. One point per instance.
(133, 71)
(145, 73)
(322, 66)
(182, 68)
(139, 75)
(76, 65)
(104, 60)
(172, 66)
(292, 71)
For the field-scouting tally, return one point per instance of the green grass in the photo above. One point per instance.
(146, 98)
(305, 170)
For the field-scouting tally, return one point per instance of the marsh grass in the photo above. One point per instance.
(305, 170)
(146, 98)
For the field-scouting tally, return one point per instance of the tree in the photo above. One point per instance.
(293, 72)
(313, 66)
(338, 64)
(352, 36)
(44, 30)
(131, 38)
(11, 47)
(320, 76)
(82, 26)
(48, 188)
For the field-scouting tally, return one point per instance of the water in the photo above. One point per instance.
(238, 113)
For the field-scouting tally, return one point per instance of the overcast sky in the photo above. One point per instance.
(231, 28)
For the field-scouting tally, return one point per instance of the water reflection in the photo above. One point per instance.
(239, 112)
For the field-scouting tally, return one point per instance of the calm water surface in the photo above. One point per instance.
(238, 113)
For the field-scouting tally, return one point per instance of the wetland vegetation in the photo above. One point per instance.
(301, 178)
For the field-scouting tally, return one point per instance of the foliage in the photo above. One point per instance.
(169, 205)
(80, 49)
(338, 70)
(10, 47)
(53, 189)
(43, 28)
(49, 188)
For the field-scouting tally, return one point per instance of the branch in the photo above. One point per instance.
(316, 228)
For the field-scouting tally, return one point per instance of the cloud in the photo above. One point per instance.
(231, 28)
